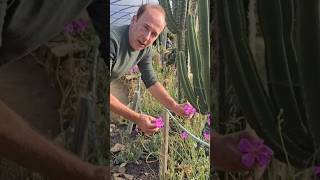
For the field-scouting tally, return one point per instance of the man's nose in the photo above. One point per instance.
(146, 36)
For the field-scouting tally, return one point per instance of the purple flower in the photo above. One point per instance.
(80, 25)
(159, 122)
(134, 69)
(68, 29)
(254, 151)
(209, 119)
(76, 26)
(189, 110)
(316, 170)
(184, 135)
(206, 135)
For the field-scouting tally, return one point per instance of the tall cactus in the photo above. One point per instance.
(161, 41)
(198, 93)
(176, 19)
(292, 61)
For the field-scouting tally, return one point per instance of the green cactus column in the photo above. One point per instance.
(176, 19)
(293, 69)
(308, 53)
(198, 41)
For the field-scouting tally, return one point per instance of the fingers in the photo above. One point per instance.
(151, 124)
(249, 134)
(148, 125)
(258, 172)
(150, 131)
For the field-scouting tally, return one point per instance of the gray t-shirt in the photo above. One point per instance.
(122, 57)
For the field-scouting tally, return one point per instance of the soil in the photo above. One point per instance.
(143, 171)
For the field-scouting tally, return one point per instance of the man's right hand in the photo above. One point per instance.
(146, 124)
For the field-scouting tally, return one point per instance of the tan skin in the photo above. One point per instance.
(143, 32)
(226, 146)
(20, 143)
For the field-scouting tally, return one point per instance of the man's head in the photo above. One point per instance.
(146, 26)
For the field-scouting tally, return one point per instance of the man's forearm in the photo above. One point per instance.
(20, 143)
(162, 95)
(119, 108)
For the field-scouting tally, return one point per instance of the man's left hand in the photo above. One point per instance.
(179, 110)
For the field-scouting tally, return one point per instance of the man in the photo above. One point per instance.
(25, 25)
(130, 45)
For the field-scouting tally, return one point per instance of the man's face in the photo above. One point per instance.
(145, 30)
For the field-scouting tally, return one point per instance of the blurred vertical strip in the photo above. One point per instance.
(99, 12)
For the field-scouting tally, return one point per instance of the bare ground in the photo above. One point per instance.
(143, 171)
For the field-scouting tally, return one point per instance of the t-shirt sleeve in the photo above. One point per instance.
(3, 9)
(97, 11)
(113, 51)
(147, 73)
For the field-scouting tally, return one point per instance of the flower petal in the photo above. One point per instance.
(189, 110)
(245, 146)
(184, 135)
(209, 119)
(316, 170)
(159, 122)
(248, 159)
(266, 150)
(206, 135)
(263, 159)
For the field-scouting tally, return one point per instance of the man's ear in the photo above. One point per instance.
(134, 19)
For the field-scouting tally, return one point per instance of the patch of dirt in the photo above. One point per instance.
(143, 171)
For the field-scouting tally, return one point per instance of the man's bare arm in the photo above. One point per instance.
(119, 108)
(162, 95)
(20, 143)
(144, 122)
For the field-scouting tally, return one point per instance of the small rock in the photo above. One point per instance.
(128, 176)
(117, 147)
(123, 164)
(122, 176)
(122, 169)
(112, 127)
(117, 176)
